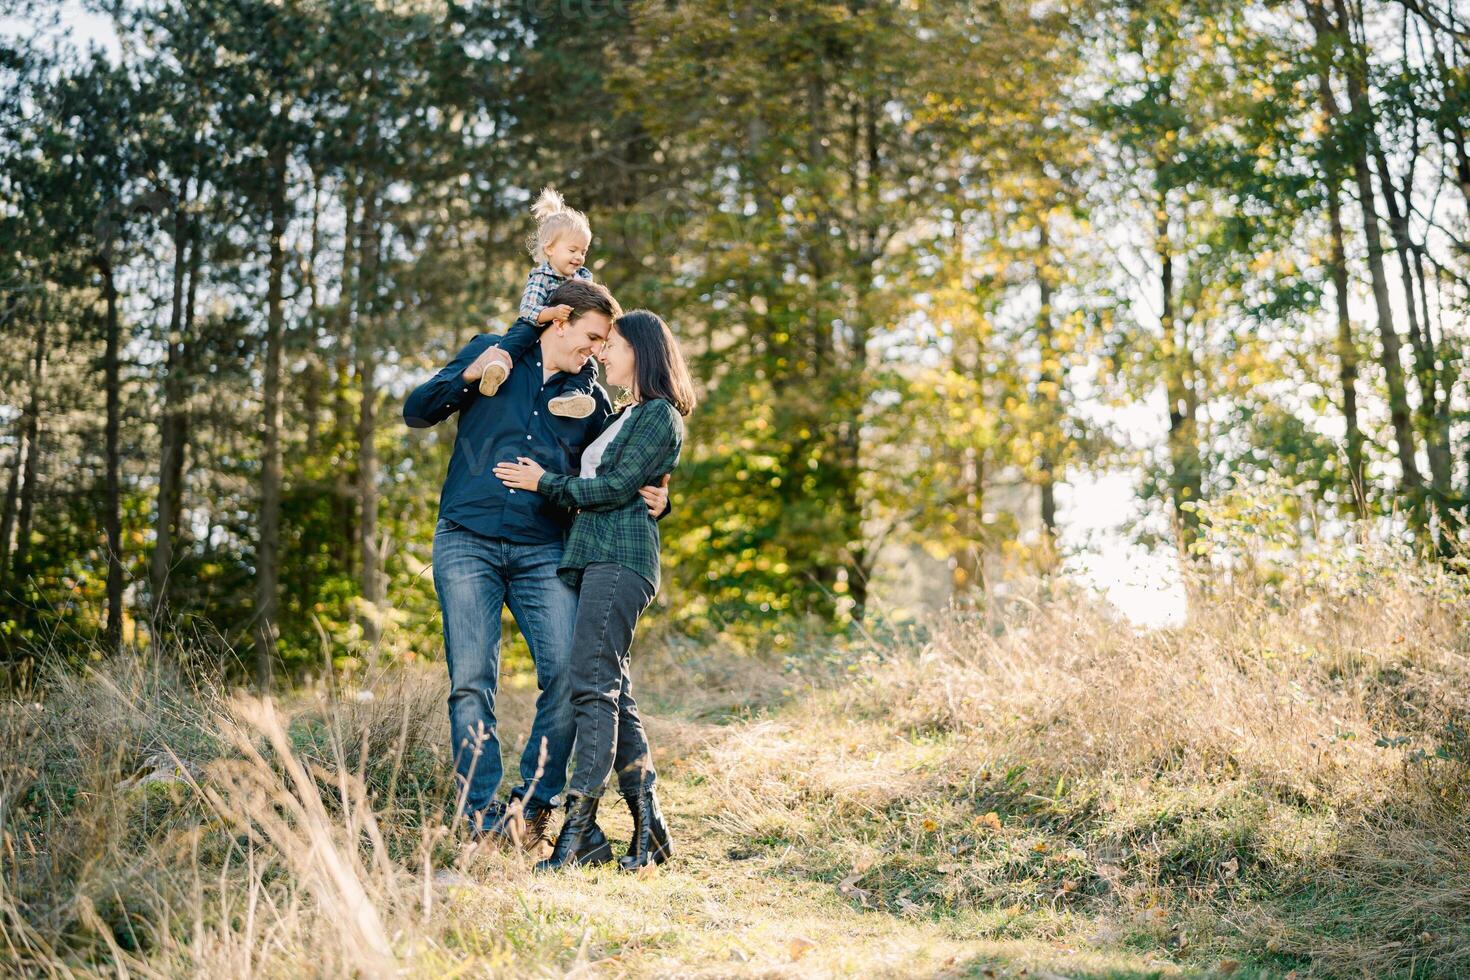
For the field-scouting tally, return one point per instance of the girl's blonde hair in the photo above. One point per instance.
(554, 219)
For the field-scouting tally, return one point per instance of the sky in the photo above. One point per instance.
(1144, 585)
(1092, 508)
(85, 28)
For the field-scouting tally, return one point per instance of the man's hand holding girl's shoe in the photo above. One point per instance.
(490, 369)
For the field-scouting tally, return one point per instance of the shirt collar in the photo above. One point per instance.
(533, 361)
(532, 356)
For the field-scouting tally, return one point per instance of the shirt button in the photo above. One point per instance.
(535, 413)
(512, 491)
(528, 437)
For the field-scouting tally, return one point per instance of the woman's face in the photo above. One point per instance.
(617, 360)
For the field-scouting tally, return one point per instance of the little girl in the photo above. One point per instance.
(561, 241)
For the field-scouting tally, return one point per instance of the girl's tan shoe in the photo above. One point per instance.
(494, 376)
(577, 406)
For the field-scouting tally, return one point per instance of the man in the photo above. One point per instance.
(495, 546)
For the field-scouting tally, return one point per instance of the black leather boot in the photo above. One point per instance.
(580, 841)
(650, 843)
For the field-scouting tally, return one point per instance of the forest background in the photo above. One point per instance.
(937, 265)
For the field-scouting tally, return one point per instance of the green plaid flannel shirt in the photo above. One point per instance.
(612, 522)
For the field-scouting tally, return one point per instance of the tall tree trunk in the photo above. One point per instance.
(1441, 425)
(1390, 357)
(112, 507)
(816, 107)
(7, 514)
(1049, 388)
(848, 449)
(1421, 341)
(1186, 476)
(189, 365)
(968, 569)
(171, 431)
(267, 568)
(1389, 354)
(343, 496)
(314, 374)
(371, 577)
(827, 418)
(31, 433)
(967, 575)
(12, 482)
(373, 586)
(1347, 357)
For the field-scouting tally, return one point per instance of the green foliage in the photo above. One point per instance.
(918, 255)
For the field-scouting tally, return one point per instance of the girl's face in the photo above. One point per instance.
(618, 365)
(568, 252)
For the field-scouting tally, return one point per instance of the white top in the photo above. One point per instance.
(592, 455)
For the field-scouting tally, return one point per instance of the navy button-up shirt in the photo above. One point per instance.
(514, 422)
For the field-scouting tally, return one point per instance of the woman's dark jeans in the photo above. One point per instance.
(609, 731)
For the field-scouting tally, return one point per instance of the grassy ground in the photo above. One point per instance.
(1033, 789)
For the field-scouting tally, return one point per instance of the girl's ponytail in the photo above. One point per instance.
(550, 202)
(553, 219)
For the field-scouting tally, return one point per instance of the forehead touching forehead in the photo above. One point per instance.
(591, 325)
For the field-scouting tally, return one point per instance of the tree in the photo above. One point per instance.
(1333, 35)
(797, 150)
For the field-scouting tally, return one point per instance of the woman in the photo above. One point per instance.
(612, 555)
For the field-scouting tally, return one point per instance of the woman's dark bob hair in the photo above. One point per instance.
(658, 366)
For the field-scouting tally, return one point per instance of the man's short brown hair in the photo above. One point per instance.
(585, 297)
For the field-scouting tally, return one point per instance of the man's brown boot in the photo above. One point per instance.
(534, 838)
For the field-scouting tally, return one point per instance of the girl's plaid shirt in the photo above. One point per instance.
(539, 284)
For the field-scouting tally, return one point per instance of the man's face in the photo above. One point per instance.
(580, 338)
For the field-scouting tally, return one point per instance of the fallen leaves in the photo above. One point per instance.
(848, 888)
(990, 821)
(799, 946)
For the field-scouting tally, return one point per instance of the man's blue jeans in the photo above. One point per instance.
(475, 576)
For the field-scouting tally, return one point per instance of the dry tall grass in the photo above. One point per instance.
(1283, 783)
(1285, 777)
